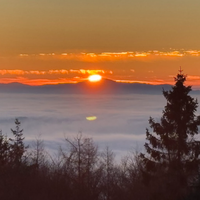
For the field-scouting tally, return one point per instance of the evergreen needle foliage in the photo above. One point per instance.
(173, 152)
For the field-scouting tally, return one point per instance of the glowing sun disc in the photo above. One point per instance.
(94, 78)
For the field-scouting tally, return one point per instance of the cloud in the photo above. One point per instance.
(23, 55)
(195, 78)
(124, 66)
(141, 54)
(15, 72)
(93, 57)
(61, 71)
(36, 72)
(121, 119)
(193, 52)
(89, 71)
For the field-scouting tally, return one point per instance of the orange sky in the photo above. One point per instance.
(56, 41)
(154, 67)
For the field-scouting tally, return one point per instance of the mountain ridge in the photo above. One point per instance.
(105, 86)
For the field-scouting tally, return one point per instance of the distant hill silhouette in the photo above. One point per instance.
(105, 86)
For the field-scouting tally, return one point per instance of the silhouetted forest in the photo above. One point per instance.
(168, 170)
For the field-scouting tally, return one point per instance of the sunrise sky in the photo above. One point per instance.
(62, 41)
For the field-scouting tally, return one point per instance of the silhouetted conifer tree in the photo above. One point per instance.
(173, 152)
(18, 147)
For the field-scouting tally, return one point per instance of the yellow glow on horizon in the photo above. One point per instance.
(94, 78)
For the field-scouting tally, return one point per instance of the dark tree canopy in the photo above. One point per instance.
(171, 146)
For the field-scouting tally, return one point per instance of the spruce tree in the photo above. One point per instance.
(17, 145)
(171, 148)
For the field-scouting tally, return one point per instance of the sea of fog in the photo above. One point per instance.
(121, 120)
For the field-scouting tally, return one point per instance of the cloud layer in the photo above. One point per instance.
(120, 119)
(91, 56)
(154, 67)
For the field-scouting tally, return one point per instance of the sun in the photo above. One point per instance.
(94, 78)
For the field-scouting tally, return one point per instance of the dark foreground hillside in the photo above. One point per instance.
(80, 171)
